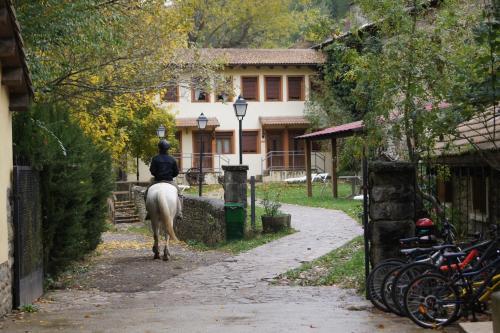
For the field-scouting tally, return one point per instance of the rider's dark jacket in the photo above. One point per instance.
(164, 167)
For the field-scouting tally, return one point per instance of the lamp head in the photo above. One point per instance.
(240, 107)
(161, 132)
(202, 121)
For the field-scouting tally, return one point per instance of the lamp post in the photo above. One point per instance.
(240, 109)
(202, 122)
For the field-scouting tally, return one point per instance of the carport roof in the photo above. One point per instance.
(335, 132)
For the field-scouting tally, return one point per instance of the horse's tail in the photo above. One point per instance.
(165, 216)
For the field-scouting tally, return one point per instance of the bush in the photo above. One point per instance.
(75, 180)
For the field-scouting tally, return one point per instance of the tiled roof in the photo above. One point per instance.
(280, 121)
(191, 122)
(481, 132)
(254, 56)
(336, 131)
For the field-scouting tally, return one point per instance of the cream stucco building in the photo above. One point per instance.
(276, 84)
(15, 95)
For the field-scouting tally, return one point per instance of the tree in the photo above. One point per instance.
(257, 23)
(75, 181)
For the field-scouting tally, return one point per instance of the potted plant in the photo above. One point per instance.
(274, 220)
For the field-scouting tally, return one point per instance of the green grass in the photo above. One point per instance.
(343, 267)
(253, 239)
(297, 194)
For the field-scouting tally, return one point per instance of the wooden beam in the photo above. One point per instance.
(308, 167)
(7, 47)
(19, 102)
(13, 77)
(286, 148)
(334, 169)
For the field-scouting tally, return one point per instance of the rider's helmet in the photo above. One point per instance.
(163, 145)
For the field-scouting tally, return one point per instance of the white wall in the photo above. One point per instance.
(6, 162)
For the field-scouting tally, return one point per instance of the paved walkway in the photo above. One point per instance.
(230, 296)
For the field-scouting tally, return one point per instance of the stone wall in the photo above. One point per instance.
(138, 199)
(204, 220)
(6, 272)
(391, 187)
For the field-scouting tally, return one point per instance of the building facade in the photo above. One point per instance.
(15, 95)
(275, 83)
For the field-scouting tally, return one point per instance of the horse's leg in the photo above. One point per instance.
(154, 226)
(166, 250)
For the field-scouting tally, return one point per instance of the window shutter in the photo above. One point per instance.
(171, 94)
(250, 141)
(295, 88)
(250, 88)
(273, 88)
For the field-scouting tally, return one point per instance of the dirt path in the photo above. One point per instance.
(126, 264)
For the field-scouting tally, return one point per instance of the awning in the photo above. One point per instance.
(335, 132)
(191, 122)
(277, 122)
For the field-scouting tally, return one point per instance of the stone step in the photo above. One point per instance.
(477, 327)
(124, 206)
(127, 219)
(125, 210)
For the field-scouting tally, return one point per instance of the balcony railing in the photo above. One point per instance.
(211, 162)
(292, 161)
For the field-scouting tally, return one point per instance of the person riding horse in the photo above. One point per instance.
(164, 169)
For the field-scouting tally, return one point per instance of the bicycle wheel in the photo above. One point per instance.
(432, 301)
(375, 279)
(386, 291)
(403, 278)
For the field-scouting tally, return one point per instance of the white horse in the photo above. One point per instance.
(161, 204)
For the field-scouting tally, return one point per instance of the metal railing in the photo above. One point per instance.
(292, 161)
(211, 162)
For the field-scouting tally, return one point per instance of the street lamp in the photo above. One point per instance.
(202, 122)
(240, 109)
(160, 132)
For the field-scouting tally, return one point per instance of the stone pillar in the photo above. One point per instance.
(235, 185)
(391, 187)
(495, 311)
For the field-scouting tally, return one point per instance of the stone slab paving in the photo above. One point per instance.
(230, 296)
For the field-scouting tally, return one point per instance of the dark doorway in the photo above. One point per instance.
(207, 150)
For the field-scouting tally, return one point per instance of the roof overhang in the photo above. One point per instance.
(191, 122)
(335, 132)
(15, 73)
(284, 122)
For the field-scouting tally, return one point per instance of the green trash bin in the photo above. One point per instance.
(235, 220)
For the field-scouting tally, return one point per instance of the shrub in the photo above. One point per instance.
(75, 180)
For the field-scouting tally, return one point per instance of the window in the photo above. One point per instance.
(272, 85)
(171, 94)
(250, 142)
(250, 88)
(224, 142)
(198, 91)
(224, 91)
(296, 88)
(479, 194)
